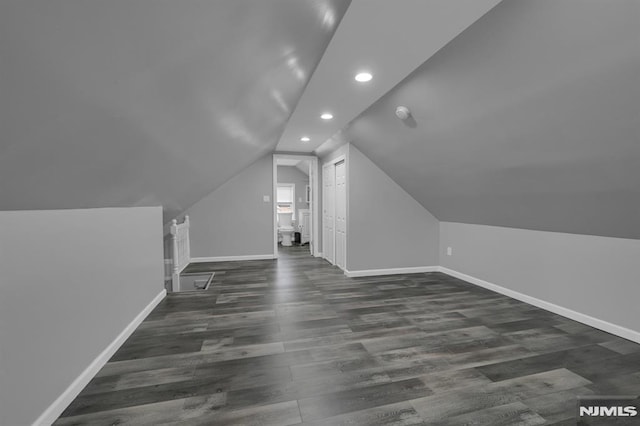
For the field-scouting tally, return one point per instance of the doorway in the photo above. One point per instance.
(295, 203)
(334, 212)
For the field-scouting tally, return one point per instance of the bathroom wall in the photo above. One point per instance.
(291, 174)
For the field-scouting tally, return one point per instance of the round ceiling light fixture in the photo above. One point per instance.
(326, 116)
(305, 139)
(402, 112)
(363, 77)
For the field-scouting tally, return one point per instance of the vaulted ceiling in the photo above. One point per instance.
(384, 37)
(526, 114)
(147, 102)
(159, 102)
(529, 119)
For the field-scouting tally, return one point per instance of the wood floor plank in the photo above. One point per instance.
(621, 346)
(175, 410)
(557, 406)
(329, 405)
(139, 379)
(440, 407)
(398, 414)
(449, 380)
(294, 341)
(513, 414)
(572, 359)
(280, 414)
(452, 404)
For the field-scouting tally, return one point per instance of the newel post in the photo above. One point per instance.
(187, 248)
(175, 276)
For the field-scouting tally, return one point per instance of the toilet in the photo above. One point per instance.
(285, 228)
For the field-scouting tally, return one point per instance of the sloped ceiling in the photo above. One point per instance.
(385, 37)
(529, 119)
(147, 102)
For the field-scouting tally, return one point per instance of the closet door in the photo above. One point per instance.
(340, 214)
(328, 206)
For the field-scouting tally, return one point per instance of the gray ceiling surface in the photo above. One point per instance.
(147, 102)
(530, 119)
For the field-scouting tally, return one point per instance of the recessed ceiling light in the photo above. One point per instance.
(326, 116)
(363, 77)
(305, 139)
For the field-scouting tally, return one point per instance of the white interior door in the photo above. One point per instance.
(304, 220)
(328, 207)
(340, 214)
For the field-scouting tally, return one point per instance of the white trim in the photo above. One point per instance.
(326, 164)
(618, 330)
(315, 206)
(339, 158)
(274, 204)
(52, 413)
(232, 258)
(315, 190)
(338, 200)
(319, 254)
(175, 277)
(184, 267)
(325, 254)
(390, 271)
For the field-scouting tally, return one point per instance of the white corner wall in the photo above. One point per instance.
(588, 278)
(387, 229)
(72, 283)
(234, 220)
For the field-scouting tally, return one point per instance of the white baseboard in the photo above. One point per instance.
(52, 413)
(618, 330)
(232, 258)
(390, 271)
(318, 254)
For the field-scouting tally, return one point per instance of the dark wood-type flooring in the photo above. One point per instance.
(294, 341)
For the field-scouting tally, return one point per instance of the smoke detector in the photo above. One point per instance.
(402, 112)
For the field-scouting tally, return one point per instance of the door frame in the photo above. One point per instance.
(313, 183)
(337, 202)
(328, 166)
(334, 161)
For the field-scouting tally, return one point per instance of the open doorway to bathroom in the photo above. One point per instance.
(295, 203)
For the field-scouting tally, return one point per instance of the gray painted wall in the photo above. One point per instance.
(596, 276)
(234, 220)
(291, 174)
(72, 280)
(528, 119)
(386, 227)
